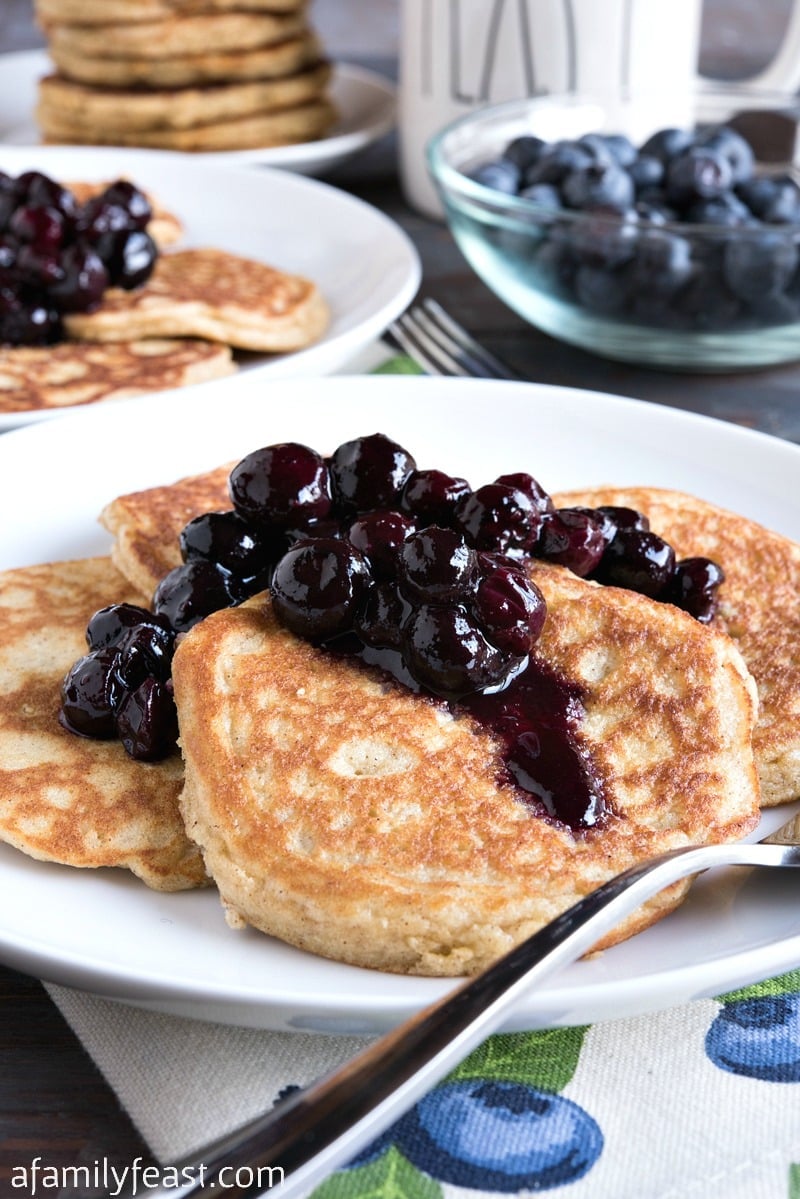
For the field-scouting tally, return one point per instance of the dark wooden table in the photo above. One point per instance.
(53, 1101)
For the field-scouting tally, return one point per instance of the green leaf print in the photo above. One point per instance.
(399, 365)
(391, 1176)
(794, 1181)
(784, 984)
(545, 1059)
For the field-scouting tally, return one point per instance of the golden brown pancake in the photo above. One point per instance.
(283, 127)
(65, 798)
(364, 823)
(215, 295)
(103, 12)
(210, 66)
(77, 109)
(759, 609)
(178, 34)
(146, 524)
(72, 373)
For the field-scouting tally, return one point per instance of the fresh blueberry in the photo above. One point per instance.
(601, 290)
(663, 262)
(733, 147)
(698, 174)
(524, 151)
(727, 210)
(621, 148)
(666, 144)
(500, 1136)
(759, 265)
(502, 175)
(774, 199)
(604, 237)
(758, 1037)
(558, 161)
(544, 195)
(605, 185)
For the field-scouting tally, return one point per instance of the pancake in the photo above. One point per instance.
(109, 112)
(283, 127)
(210, 294)
(180, 34)
(146, 524)
(65, 798)
(38, 378)
(103, 12)
(759, 608)
(210, 66)
(363, 823)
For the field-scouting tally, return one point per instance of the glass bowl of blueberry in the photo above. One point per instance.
(678, 248)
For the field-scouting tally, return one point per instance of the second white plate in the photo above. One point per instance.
(362, 262)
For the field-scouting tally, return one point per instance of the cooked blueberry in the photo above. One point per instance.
(758, 265)
(666, 144)
(599, 185)
(143, 652)
(83, 281)
(380, 536)
(448, 653)
(505, 1137)
(318, 587)
(369, 472)
(697, 174)
(147, 721)
(510, 609)
(623, 518)
(502, 175)
(88, 697)
(431, 496)
(130, 258)
(639, 560)
(498, 518)
(549, 764)
(694, 587)
(530, 487)
(41, 227)
(24, 323)
(109, 625)
(381, 616)
(281, 485)
(126, 195)
(572, 538)
(227, 539)
(38, 189)
(436, 566)
(191, 592)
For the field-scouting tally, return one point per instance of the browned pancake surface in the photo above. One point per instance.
(759, 609)
(210, 294)
(34, 378)
(366, 824)
(65, 798)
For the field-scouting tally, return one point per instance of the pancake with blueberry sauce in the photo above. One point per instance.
(69, 799)
(759, 608)
(407, 744)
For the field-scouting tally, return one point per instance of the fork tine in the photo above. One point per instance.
(423, 349)
(492, 366)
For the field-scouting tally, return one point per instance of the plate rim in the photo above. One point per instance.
(694, 981)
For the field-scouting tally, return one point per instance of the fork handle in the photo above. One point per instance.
(322, 1127)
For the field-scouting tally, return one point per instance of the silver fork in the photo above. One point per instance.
(320, 1128)
(440, 346)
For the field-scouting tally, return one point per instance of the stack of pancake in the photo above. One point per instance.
(196, 75)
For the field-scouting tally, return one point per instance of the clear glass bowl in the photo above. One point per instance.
(593, 281)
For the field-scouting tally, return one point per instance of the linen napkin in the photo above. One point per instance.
(699, 1101)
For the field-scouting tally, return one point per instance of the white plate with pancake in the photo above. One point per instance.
(106, 932)
(363, 264)
(365, 100)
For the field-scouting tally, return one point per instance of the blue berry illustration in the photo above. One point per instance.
(499, 1136)
(758, 1037)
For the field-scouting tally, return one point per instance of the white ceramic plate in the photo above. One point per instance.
(104, 931)
(365, 102)
(362, 262)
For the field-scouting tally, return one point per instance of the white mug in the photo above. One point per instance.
(460, 54)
